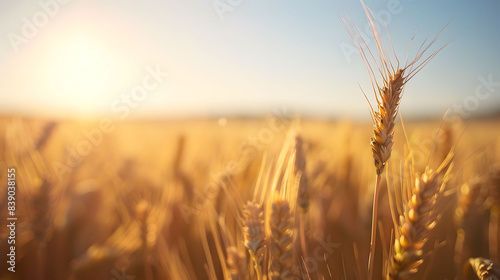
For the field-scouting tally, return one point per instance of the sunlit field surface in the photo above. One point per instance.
(166, 199)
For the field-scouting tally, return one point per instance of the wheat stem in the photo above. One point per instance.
(373, 238)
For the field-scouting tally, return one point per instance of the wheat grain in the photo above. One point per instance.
(484, 269)
(281, 240)
(237, 264)
(254, 234)
(388, 97)
(417, 221)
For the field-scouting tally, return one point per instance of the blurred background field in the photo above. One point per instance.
(142, 201)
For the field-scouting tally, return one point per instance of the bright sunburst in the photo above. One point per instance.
(81, 72)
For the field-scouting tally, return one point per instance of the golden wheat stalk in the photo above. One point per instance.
(388, 96)
(301, 175)
(484, 269)
(417, 221)
(281, 240)
(44, 136)
(468, 200)
(303, 192)
(237, 264)
(41, 222)
(254, 234)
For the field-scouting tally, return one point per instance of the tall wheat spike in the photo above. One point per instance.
(254, 234)
(388, 95)
(281, 240)
(469, 199)
(484, 269)
(303, 195)
(301, 175)
(417, 221)
(237, 264)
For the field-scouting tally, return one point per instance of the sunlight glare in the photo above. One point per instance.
(81, 73)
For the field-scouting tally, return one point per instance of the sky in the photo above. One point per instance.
(195, 58)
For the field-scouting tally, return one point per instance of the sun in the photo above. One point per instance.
(81, 73)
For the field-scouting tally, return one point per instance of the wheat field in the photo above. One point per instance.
(281, 197)
(275, 198)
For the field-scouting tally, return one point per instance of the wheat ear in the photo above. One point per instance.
(281, 240)
(254, 234)
(484, 269)
(388, 97)
(303, 196)
(237, 264)
(417, 221)
(468, 200)
(301, 176)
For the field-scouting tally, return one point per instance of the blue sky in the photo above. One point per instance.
(259, 55)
